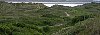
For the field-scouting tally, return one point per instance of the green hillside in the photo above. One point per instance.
(38, 19)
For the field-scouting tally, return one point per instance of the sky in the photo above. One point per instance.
(96, 0)
(53, 0)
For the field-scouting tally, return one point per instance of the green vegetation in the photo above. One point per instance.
(38, 19)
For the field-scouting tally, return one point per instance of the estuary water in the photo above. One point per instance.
(49, 4)
(71, 5)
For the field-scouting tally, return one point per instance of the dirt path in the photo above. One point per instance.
(67, 14)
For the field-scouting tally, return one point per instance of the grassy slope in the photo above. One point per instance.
(37, 19)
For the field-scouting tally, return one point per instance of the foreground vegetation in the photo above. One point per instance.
(38, 19)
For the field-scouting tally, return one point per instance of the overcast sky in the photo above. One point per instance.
(54, 0)
(96, 0)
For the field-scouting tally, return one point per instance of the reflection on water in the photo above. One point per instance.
(71, 5)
